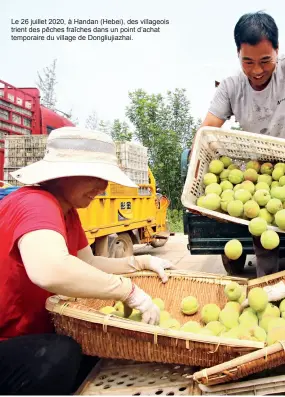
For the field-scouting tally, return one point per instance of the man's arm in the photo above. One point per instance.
(212, 121)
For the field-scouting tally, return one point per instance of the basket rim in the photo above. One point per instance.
(222, 130)
(56, 305)
(245, 385)
(223, 279)
(266, 279)
(239, 361)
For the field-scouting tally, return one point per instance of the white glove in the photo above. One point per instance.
(159, 265)
(141, 301)
(153, 263)
(275, 292)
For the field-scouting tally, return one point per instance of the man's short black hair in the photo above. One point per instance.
(254, 27)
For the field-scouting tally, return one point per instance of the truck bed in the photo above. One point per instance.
(208, 236)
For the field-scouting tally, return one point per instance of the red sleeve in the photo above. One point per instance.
(82, 239)
(36, 211)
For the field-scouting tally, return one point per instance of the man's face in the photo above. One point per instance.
(258, 62)
(79, 191)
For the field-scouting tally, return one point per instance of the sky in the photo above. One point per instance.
(192, 51)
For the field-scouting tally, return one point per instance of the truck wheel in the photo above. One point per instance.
(234, 267)
(121, 246)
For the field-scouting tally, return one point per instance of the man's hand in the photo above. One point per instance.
(155, 264)
(275, 293)
(141, 301)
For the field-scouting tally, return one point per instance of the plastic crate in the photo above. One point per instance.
(9, 179)
(211, 143)
(113, 377)
(24, 150)
(132, 156)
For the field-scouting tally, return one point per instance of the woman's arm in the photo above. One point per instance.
(109, 265)
(50, 266)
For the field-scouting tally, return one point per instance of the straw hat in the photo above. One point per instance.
(73, 151)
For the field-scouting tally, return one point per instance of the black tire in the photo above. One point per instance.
(121, 246)
(234, 267)
(160, 242)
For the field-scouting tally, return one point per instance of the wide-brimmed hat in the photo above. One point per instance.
(74, 151)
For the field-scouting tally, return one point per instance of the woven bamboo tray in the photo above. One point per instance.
(113, 337)
(258, 387)
(251, 363)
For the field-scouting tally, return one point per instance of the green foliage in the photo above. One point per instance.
(175, 220)
(165, 126)
(104, 126)
(120, 131)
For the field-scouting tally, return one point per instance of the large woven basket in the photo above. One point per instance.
(251, 363)
(113, 337)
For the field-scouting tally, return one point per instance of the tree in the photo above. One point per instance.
(120, 131)
(194, 128)
(46, 84)
(92, 121)
(104, 126)
(165, 126)
(179, 117)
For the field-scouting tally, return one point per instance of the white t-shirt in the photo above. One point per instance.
(261, 112)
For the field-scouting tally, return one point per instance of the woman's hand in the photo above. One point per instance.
(153, 263)
(141, 301)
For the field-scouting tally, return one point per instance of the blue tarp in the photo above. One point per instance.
(5, 191)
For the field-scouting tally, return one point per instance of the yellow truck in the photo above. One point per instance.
(123, 216)
(119, 218)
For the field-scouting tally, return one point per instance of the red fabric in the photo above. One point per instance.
(22, 303)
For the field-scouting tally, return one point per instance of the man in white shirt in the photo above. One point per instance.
(256, 97)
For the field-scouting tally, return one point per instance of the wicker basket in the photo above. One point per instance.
(210, 143)
(113, 337)
(261, 387)
(252, 363)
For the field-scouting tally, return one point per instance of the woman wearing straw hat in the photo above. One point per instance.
(44, 251)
